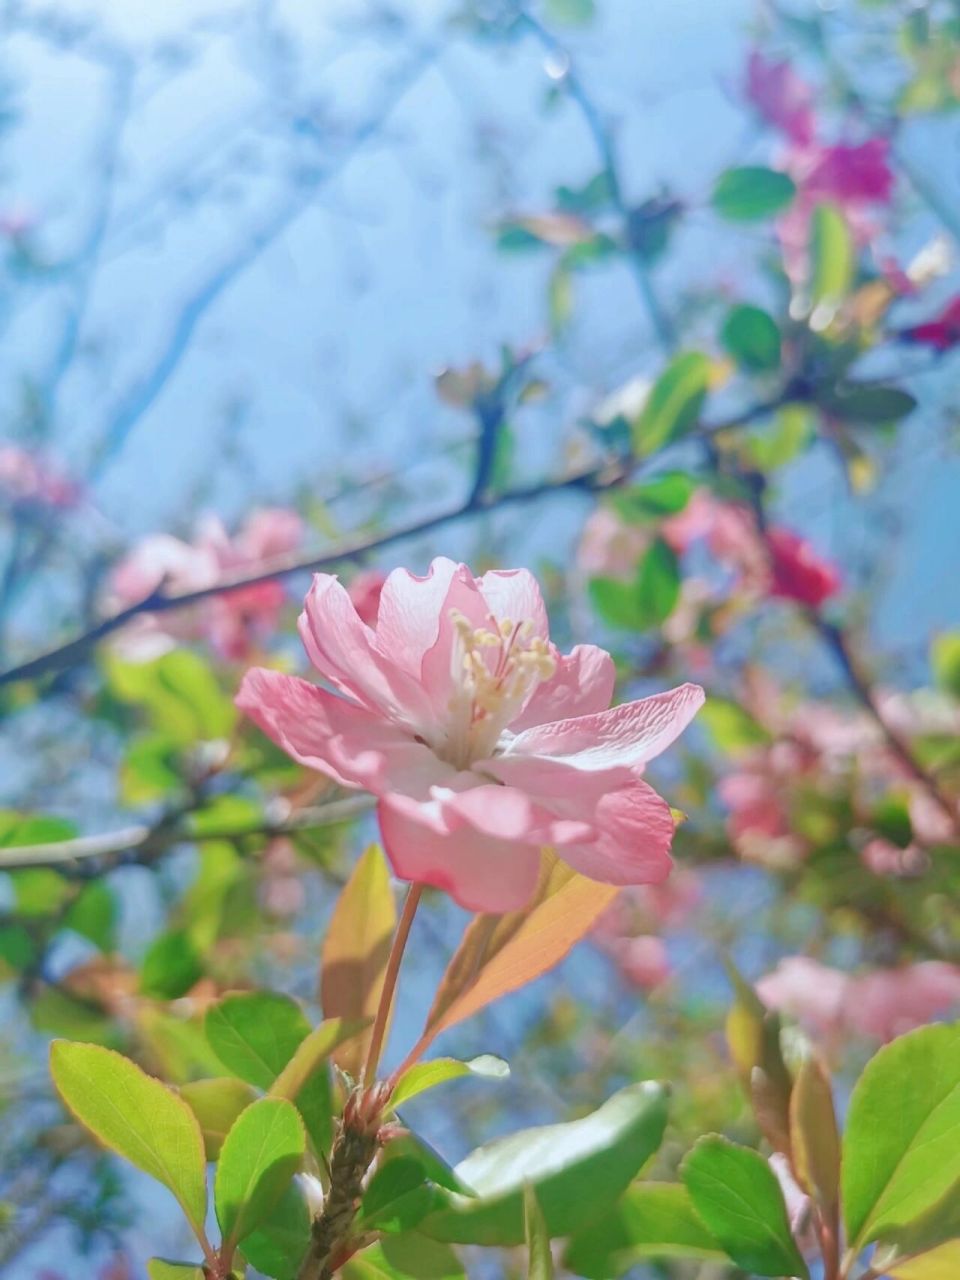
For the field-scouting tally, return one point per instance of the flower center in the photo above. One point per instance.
(493, 673)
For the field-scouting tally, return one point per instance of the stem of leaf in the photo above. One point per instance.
(382, 1018)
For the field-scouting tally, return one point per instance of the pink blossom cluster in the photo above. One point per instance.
(816, 748)
(231, 622)
(854, 176)
(630, 930)
(879, 1004)
(777, 564)
(481, 741)
(29, 479)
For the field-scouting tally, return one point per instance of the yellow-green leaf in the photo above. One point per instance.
(216, 1104)
(355, 951)
(314, 1050)
(427, 1075)
(539, 1257)
(260, 1155)
(499, 954)
(137, 1117)
(814, 1139)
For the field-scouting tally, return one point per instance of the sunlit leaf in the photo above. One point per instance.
(137, 1117)
(814, 1137)
(578, 1170)
(315, 1049)
(427, 1075)
(539, 1257)
(355, 951)
(170, 967)
(260, 1155)
(160, 1269)
(893, 1172)
(673, 406)
(498, 954)
(832, 254)
(736, 1194)
(216, 1103)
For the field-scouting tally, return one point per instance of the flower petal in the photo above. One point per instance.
(634, 831)
(480, 872)
(350, 744)
(408, 617)
(345, 652)
(515, 594)
(628, 735)
(583, 685)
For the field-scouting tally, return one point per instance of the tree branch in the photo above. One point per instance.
(89, 856)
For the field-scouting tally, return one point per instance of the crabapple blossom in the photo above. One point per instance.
(481, 741)
(28, 479)
(229, 622)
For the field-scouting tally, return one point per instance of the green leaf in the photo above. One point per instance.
(833, 256)
(658, 583)
(616, 603)
(752, 338)
(255, 1034)
(945, 660)
(137, 1117)
(313, 1051)
(942, 1263)
(93, 914)
(216, 1104)
(869, 403)
(560, 299)
(160, 1269)
(355, 950)
(732, 728)
(179, 692)
(570, 13)
(261, 1153)
(170, 967)
(901, 1147)
(778, 442)
(663, 495)
(736, 1194)
(411, 1256)
(577, 1169)
(398, 1196)
(673, 406)
(39, 891)
(752, 192)
(651, 1220)
(427, 1075)
(277, 1246)
(814, 1138)
(539, 1257)
(32, 828)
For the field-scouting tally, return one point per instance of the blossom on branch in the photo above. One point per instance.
(231, 621)
(482, 742)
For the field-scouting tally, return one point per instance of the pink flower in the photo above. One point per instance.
(643, 961)
(889, 1002)
(941, 332)
(29, 479)
(480, 740)
(811, 992)
(609, 547)
(797, 571)
(230, 622)
(364, 591)
(848, 174)
(782, 98)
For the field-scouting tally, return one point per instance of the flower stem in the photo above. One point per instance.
(382, 1018)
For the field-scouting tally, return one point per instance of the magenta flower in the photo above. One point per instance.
(782, 98)
(480, 740)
